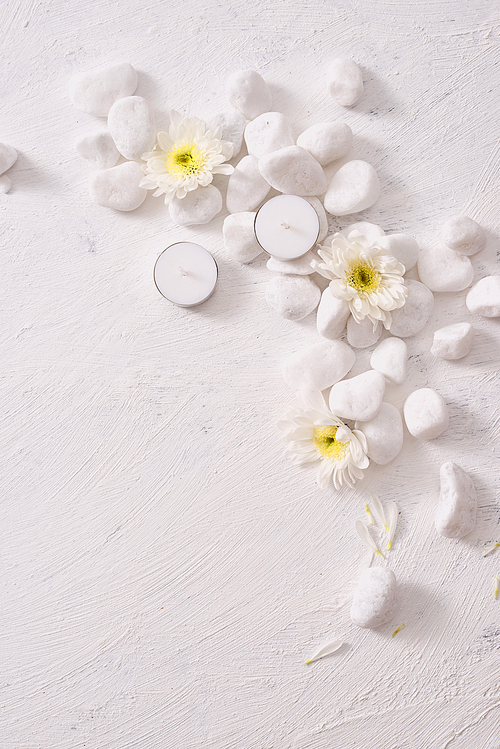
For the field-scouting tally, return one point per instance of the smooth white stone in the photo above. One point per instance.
(293, 297)
(198, 207)
(372, 232)
(375, 599)
(293, 171)
(8, 157)
(401, 246)
(390, 358)
(359, 398)
(332, 315)
(233, 125)
(327, 141)
(5, 184)
(323, 220)
(464, 235)
(246, 187)
(239, 237)
(384, 434)
(249, 93)
(362, 334)
(353, 188)
(415, 312)
(98, 149)
(457, 506)
(345, 81)
(299, 267)
(318, 366)
(426, 413)
(267, 133)
(118, 187)
(484, 297)
(453, 341)
(131, 122)
(95, 91)
(442, 269)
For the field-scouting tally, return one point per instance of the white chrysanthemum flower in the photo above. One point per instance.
(365, 276)
(315, 435)
(186, 157)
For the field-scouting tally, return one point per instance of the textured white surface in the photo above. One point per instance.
(166, 571)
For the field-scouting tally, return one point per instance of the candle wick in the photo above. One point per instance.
(284, 225)
(184, 272)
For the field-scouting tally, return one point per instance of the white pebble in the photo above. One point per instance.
(327, 141)
(371, 232)
(131, 122)
(415, 312)
(426, 413)
(384, 434)
(118, 187)
(293, 171)
(292, 297)
(442, 269)
(318, 366)
(375, 599)
(345, 82)
(198, 207)
(299, 267)
(453, 341)
(484, 297)
(267, 133)
(239, 237)
(353, 188)
(359, 398)
(401, 246)
(5, 184)
(462, 234)
(323, 220)
(246, 187)
(98, 148)
(233, 125)
(390, 359)
(457, 506)
(332, 315)
(95, 91)
(249, 93)
(362, 334)
(8, 157)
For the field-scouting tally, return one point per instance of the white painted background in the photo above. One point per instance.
(165, 570)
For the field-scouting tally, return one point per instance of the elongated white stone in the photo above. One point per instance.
(462, 234)
(353, 188)
(345, 81)
(390, 359)
(372, 232)
(293, 297)
(293, 171)
(327, 141)
(362, 334)
(95, 91)
(411, 318)
(8, 157)
(375, 599)
(198, 207)
(246, 187)
(332, 315)
(267, 133)
(401, 246)
(299, 267)
(131, 122)
(442, 269)
(358, 398)
(453, 341)
(98, 149)
(426, 414)
(384, 434)
(239, 237)
(484, 297)
(318, 366)
(233, 125)
(247, 91)
(118, 187)
(457, 506)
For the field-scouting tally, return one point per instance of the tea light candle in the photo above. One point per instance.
(186, 274)
(286, 227)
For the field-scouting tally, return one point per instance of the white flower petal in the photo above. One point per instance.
(332, 647)
(378, 510)
(366, 537)
(392, 521)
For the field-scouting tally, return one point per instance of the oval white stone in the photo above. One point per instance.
(372, 232)
(197, 207)
(345, 81)
(267, 133)
(233, 125)
(411, 318)
(384, 434)
(318, 366)
(361, 334)
(358, 398)
(390, 359)
(118, 187)
(457, 506)
(239, 237)
(327, 141)
(332, 315)
(98, 148)
(301, 266)
(131, 122)
(293, 297)
(462, 234)
(8, 157)
(246, 187)
(442, 269)
(375, 599)
(426, 414)
(484, 297)
(95, 91)
(247, 91)
(293, 171)
(453, 341)
(401, 246)
(353, 188)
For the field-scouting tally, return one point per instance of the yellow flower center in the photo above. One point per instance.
(326, 444)
(184, 159)
(363, 278)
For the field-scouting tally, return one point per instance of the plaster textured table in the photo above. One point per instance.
(166, 570)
